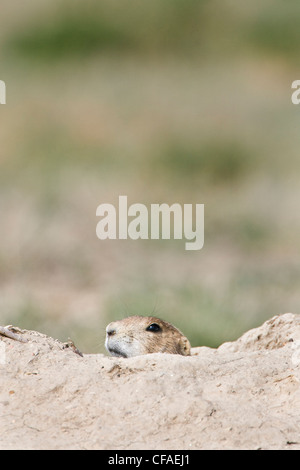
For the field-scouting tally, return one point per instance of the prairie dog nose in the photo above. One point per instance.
(110, 330)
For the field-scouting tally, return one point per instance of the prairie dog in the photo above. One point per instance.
(138, 335)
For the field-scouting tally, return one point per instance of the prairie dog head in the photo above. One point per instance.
(138, 335)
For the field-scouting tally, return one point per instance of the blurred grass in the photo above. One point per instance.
(166, 101)
(276, 30)
(79, 29)
(177, 27)
(216, 162)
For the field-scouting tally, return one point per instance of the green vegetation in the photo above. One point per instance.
(190, 27)
(91, 27)
(276, 30)
(215, 162)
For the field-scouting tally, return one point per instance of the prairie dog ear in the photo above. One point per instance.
(184, 346)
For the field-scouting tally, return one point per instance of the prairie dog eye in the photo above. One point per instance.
(154, 327)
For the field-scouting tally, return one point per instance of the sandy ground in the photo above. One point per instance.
(243, 395)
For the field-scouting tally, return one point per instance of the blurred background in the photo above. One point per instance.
(184, 101)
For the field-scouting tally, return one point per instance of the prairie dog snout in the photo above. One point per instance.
(138, 335)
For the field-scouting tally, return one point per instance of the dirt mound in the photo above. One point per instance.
(243, 395)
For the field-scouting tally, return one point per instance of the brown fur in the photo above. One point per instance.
(129, 337)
